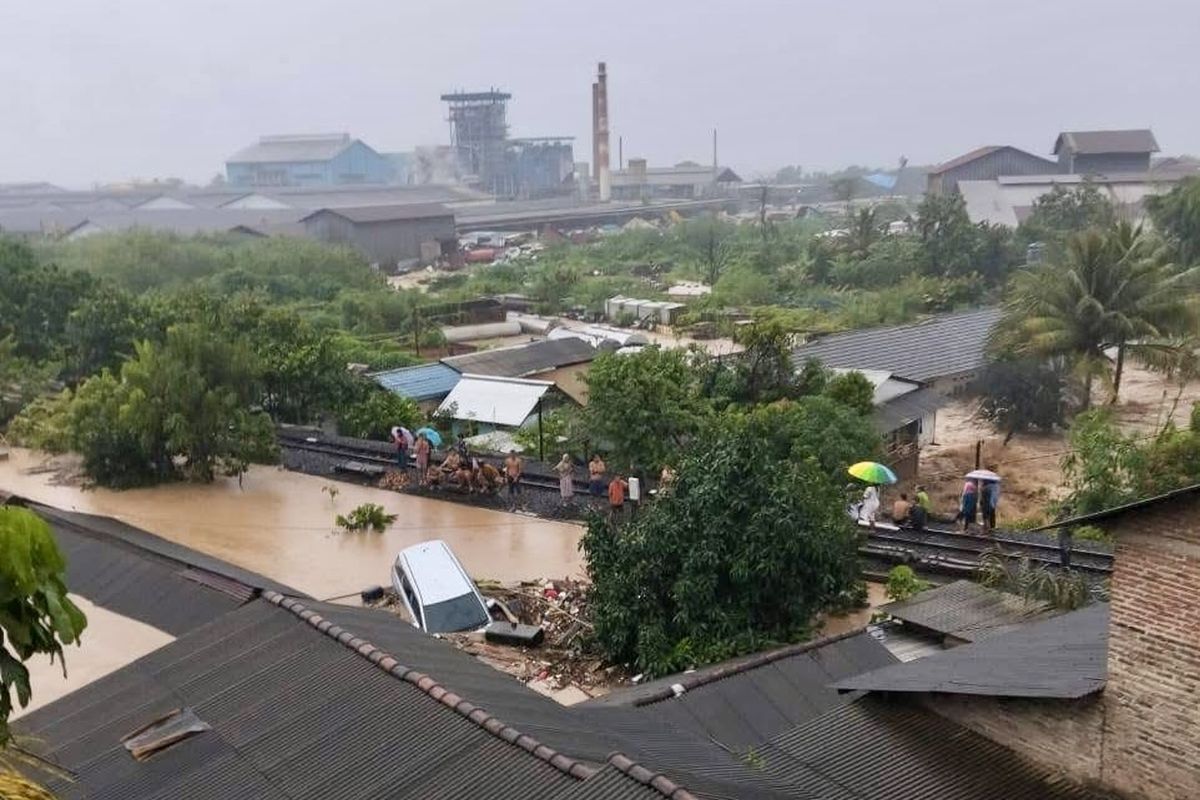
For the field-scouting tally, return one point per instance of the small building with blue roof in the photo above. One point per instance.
(428, 384)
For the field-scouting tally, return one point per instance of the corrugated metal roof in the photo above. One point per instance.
(521, 360)
(744, 702)
(968, 611)
(385, 213)
(1137, 140)
(423, 382)
(873, 749)
(282, 149)
(294, 714)
(966, 158)
(138, 584)
(498, 401)
(1063, 657)
(193, 220)
(943, 345)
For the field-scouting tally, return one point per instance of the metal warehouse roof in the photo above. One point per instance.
(875, 749)
(423, 382)
(498, 401)
(743, 703)
(294, 713)
(943, 345)
(1064, 657)
(385, 213)
(521, 360)
(968, 611)
(1139, 140)
(282, 149)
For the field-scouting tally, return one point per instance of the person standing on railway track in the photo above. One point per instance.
(596, 470)
(401, 448)
(967, 505)
(513, 467)
(989, 499)
(566, 478)
(422, 450)
(923, 500)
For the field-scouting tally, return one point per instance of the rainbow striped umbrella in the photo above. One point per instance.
(872, 472)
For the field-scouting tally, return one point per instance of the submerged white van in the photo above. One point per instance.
(439, 595)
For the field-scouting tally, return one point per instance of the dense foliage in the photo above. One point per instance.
(1105, 467)
(748, 545)
(36, 614)
(1023, 394)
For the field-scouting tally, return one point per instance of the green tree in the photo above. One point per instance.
(1108, 292)
(751, 543)
(1062, 212)
(710, 242)
(303, 372)
(36, 614)
(864, 231)
(1177, 215)
(853, 390)
(376, 411)
(643, 406)
(947, 235)
(1023, 394)
(100, 332)
(36, 301)
(21, 380)
(763, 372)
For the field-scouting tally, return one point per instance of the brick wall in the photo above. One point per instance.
(1060, 735)
(1152, 728)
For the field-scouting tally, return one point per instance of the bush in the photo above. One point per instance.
(903, 583)
(1022, 395)
(367, 516)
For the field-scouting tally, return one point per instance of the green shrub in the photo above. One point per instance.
(367, 516)
(903, 583)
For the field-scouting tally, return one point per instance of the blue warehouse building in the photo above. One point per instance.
(308, 160)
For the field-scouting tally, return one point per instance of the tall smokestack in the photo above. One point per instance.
(600, 131)
(715, 151)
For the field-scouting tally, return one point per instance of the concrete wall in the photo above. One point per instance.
(1152, 729)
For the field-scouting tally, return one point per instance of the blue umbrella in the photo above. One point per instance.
(433, 436)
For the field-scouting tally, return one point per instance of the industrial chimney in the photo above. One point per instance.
(600, 157)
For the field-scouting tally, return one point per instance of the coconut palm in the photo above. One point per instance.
(1110, 291)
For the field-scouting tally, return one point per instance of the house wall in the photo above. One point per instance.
(1062, 735)
(1109, 163)
(1152, 730)
(1008, 161)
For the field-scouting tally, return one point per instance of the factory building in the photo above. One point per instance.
(387, 235)
(307, 160)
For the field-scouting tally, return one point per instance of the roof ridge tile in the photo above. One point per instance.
(648, 777)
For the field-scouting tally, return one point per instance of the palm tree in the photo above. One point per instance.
(864, 230)
(1111, 291)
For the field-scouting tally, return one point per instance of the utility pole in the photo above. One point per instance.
(417, 330)
(978, 453)
(541, 442)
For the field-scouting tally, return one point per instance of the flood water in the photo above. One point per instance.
(281, 524)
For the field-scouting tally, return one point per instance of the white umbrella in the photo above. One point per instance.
(983, 475)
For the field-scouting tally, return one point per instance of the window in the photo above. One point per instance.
(461, 613)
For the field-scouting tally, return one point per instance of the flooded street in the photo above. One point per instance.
(281, 524)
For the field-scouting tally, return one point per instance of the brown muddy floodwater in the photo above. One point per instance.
(280, 524)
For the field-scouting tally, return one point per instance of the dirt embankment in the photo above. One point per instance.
(1030, 463)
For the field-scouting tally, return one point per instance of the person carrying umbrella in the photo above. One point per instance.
(986, 486)
(873, 474)
(403, 440)
(967, 504)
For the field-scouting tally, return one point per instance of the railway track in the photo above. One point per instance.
(935, 549)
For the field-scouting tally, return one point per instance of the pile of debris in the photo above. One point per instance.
(561, 666)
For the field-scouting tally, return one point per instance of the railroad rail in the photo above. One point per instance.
(935, 549)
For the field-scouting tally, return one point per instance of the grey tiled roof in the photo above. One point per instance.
(1138, 140)
(1063, 657)
(524, 359)
(943, 345)
(876, 749)
(968, 611)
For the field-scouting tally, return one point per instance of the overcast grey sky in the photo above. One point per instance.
(96, 90)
